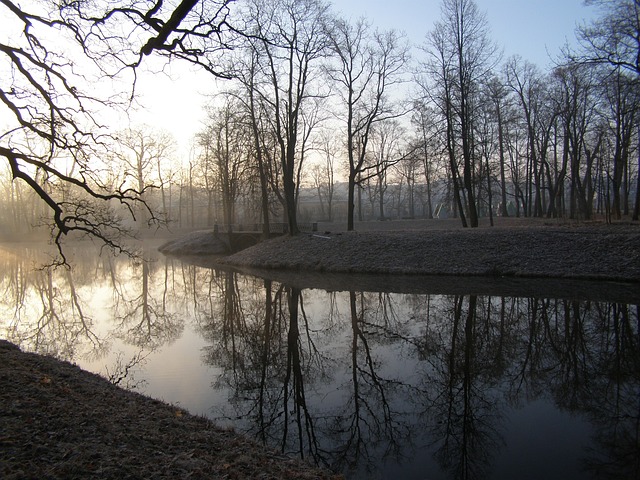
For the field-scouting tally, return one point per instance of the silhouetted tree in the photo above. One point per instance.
(59, 54)
(462, 53)
(367, 66)
(288, 37)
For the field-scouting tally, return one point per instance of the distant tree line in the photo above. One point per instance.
(312, 102)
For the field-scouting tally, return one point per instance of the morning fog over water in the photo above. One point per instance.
(373, 383)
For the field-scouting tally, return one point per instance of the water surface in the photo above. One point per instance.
(449, 379)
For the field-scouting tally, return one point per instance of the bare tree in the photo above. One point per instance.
(439, 69)
(53, 141)
(614, 38)
(139, 152)
(425, 121)
(121, 33)
(245, 69)
(289, 40)
(386, 151)
(528, 84)
(225, 144)
(409, 170)
(323, 175)
(582, 132)
(368, 65)
(497, 95)
(623, 101)
(463, 52)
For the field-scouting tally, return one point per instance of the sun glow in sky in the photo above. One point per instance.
(534, 30)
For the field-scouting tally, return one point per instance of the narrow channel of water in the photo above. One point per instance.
(439, 382)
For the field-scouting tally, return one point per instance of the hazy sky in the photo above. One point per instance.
(534, 29)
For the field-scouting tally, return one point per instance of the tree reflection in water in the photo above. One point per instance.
(371, 384)
(141, 317)
(429, 375)
(79, 313)
(370, 425)
(48, 315)
(265, 361)
(459, 405)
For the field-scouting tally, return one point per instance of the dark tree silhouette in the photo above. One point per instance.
(53, 60)
(613, 38)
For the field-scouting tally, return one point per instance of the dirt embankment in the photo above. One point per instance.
(596, 252)
(517, 257)
(577, 253)
(60, 422)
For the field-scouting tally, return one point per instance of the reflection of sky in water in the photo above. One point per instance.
(177, 375)
(423, 404)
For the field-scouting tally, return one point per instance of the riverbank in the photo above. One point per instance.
(596, 251)
(60, 422)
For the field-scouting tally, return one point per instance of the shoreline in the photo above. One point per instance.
(568, 260)
(594, 252)
(59, 421)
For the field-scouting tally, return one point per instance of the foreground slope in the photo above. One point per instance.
(58, 421)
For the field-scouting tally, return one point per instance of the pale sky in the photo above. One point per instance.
(525, 27)
(533, 29)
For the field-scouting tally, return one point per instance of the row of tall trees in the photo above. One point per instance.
(310, 97)
(496, 133)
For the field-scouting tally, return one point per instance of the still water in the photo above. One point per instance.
(436, 383)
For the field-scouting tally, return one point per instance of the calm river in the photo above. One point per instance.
(445, 381)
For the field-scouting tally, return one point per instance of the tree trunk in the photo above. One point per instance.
(351, 201)
(503, 184)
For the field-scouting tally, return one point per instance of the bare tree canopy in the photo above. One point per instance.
(614, 38)
(289, 41)
(368, 64)
(462, 57)
(59, 64)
